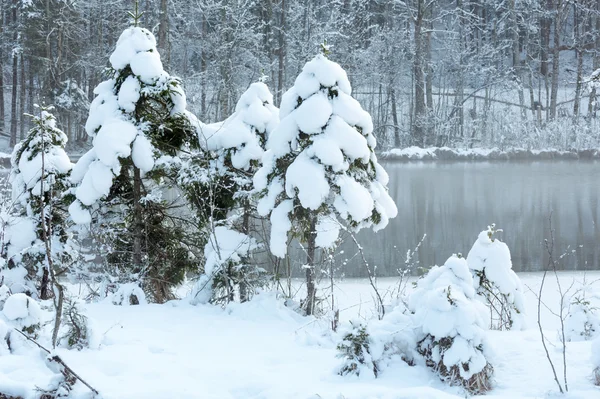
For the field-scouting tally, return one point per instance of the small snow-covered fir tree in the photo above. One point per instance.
(139, 125)
(320, 172)
(582, 322)
(450, 327)
(356, 352)
(218, 183)
(224, 254)
(495, 281)
(39, 178)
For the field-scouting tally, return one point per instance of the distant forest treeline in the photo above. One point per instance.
(505, 73)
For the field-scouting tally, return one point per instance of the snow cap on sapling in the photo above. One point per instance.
(496, 283)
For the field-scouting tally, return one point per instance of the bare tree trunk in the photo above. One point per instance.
(281, 54)
(419, 81)
(310, 269)
(137, 219)
(2, 111)
(596, 62)
(244, 288)
(516, 60)
(397, 138)
(22, 100)
(15, 81)
(555, 59)
(163, 33)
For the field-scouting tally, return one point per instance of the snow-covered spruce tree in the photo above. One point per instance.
(450, 327)
(496, 283)
(320, 172)
(139, 125)
(39, 178)
(218, 183)
(356, 352)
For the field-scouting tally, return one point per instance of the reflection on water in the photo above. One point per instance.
(452, 202)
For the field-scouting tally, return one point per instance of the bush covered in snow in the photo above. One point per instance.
(368, 348)
(582, 322)
(224, 269)
(129, 294)
(320, 172)
(138, 124)
(355, 349)
(24, 313)
(451, 331)
(39, 178)
(78, 331)
(496, 283)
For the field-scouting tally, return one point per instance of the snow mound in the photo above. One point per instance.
(451, 332)
(22, 310)
(128, 294)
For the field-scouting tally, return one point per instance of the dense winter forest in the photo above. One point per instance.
(461, 73)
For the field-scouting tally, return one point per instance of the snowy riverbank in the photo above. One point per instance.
(483, 154)
(263, 350)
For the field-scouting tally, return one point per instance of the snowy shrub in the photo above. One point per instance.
(451, 332)
(355, 350)
(582, 322)
(320, 172)
(224, 268)
(24, 313)
(497, 285)
(139, 125)
(129, 294)
(78, 331)
(39, 179)
(370, 348)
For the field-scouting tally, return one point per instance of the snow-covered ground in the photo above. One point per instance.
(264, 350)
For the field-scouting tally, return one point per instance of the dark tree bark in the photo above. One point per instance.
(310, 269)
(138, 225)
(15, 81)
(281, 53)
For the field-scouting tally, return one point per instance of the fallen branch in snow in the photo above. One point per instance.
(57, 359)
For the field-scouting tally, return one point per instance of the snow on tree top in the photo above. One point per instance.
(122, 125)
(26, 160)
(133, 41)
(322, 152)
(241, 134)
(492, 256)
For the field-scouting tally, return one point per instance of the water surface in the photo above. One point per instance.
(452, 202)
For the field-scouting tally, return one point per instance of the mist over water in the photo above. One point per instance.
(452, 202)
